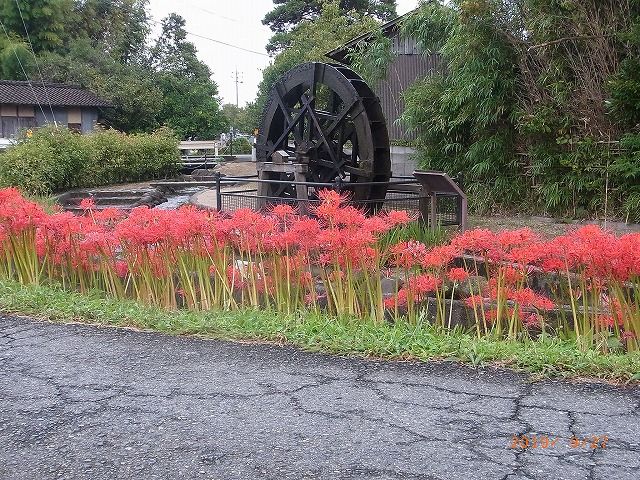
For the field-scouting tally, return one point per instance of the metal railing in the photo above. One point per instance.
(403, 193)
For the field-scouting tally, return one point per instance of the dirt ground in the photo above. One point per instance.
(544, 225)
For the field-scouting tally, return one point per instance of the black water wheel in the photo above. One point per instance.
(326, 116)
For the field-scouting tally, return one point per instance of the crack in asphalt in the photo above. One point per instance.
(81, 401)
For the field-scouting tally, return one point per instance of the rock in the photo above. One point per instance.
(473, 286)
(203, 172)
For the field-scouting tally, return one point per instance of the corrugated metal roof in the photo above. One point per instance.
(388, 29)
(56, 94)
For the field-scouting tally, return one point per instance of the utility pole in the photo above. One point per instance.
(238, 80)
(236, 77)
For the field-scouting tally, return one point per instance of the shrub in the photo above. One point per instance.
(530, 104)
(241, 146)
(56, 159)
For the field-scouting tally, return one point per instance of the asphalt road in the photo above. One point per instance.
(80, 402)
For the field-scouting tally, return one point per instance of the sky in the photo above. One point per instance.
(234, 22)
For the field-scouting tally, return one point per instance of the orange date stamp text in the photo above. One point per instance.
(524, 442)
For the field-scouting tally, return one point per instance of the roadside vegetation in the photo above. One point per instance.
(539, 105)
(56, 159)
(579, 290)
(542, 357)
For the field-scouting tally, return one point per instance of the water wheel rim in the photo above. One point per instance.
(293, 122)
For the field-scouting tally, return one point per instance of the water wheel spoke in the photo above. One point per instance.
(329, 124)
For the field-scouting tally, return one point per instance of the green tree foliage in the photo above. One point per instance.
(14, 52)
(239, 117)
(44, 19)
(371, 57)
(310, 40)
(532, 101)
(105, 47)
(132, 91)
(190, 106)
(287, 15)
(120, 27)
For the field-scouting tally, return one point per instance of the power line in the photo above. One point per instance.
(219, 42)
(46, 93)
(228, 44)
(24, 72)
(214, 13)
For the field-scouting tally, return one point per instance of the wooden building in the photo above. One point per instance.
(26, 105)
(408, 64)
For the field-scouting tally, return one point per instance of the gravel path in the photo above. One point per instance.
(81, 402)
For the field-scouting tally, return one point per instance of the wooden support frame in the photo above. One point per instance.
(275, 171)
(437, 184)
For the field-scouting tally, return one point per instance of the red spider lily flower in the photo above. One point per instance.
(87, 204)
(9, 194)
(376, 225)
(306, 278)
(395, 218)
(108, 216)
(122, 269)
(508, 239)
(304, 233)
(422, 284)
(526, 297)
(312, 298)
(474, 300)
(529, 254)
(476, 241)
(399, 300)
(495, 290)
(236, 278)
(331, 197)
(440, 257)
(349, 217)
(491, 314)
(458, 275)
(511, 275)
(18, 214)
(627, 335)
(532, 320)
(283, 211)
(608, 321)
(408, 254)
(615, 307)
(390, 302)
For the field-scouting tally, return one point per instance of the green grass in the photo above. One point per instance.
(543, 358)
(48, 202)
(417, 231)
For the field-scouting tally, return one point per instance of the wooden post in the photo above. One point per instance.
(433, 213)
(302, 192)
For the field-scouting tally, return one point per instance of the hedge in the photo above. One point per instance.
(56, 159)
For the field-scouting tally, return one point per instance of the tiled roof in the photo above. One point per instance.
(56, 94)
